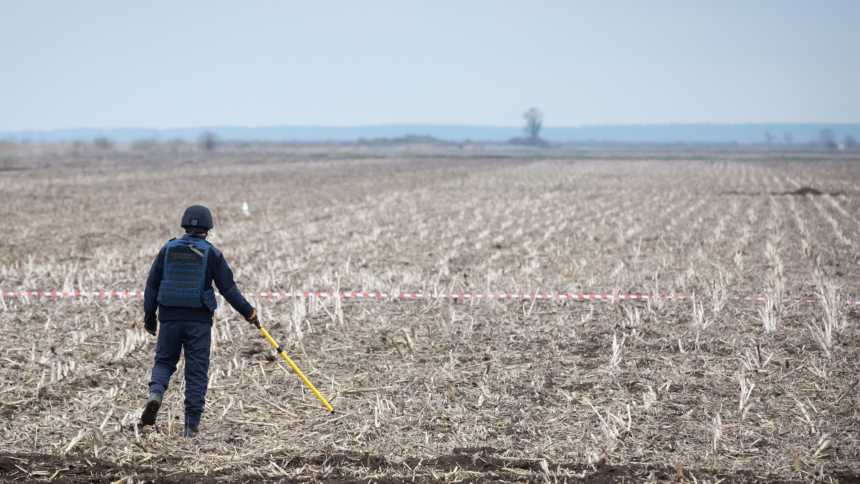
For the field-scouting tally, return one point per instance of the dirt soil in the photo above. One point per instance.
(751, 377)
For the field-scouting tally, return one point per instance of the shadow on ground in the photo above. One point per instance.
(463, 465)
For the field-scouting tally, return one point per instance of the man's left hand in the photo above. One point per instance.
(150, 324)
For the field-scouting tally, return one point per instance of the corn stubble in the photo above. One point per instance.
(509, 390)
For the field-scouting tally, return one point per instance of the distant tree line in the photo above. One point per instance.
(827, 140)
(533, 123)
(408, 139)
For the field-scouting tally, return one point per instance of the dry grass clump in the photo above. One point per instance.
(716, 386)
(831, 321)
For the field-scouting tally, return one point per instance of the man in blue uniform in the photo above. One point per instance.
(179, 286)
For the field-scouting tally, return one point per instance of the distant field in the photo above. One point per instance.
(711, 387)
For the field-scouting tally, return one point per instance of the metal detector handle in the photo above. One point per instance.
(295, 368)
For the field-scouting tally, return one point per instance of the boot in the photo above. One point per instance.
(150, 411)
(190, 431)
(192, 423)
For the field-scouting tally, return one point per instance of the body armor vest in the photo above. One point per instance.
(183, 283)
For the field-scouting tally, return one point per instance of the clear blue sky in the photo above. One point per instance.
(188, 63)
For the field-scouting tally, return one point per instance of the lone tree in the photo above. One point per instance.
(534, 123)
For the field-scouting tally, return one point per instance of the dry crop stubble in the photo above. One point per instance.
(436, 389)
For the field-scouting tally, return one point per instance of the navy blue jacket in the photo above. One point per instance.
(217, 270)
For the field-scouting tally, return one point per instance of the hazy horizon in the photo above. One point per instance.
(103, 65)
(795, 134)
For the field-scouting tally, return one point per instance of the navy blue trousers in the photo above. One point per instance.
(195, 340)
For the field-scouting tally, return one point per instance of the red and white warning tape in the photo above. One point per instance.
(379, 296)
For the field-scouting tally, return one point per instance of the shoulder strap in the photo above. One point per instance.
(202, 248)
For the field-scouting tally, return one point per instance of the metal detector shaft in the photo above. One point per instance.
(295, 368)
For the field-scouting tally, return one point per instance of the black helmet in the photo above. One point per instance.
(197, 217)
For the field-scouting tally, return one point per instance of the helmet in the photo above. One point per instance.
(197, 217)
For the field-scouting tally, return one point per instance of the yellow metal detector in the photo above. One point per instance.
(295, 367)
